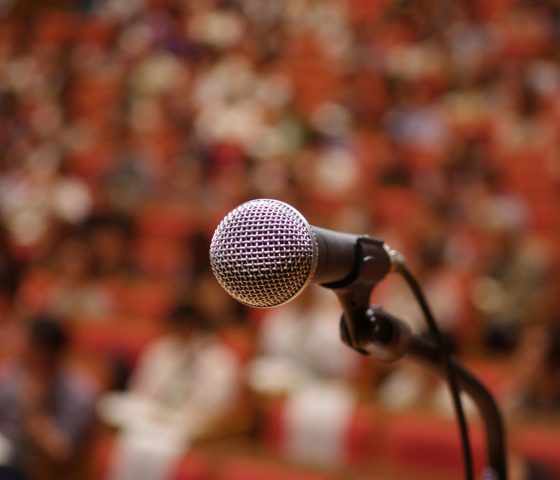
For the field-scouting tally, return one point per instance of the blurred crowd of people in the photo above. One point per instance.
(128, 129)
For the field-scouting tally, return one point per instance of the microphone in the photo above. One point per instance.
(264, 253)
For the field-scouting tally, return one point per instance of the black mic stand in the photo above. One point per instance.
(371, 330)
(374, 331)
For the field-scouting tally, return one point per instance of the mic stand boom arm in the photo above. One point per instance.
(388, 338)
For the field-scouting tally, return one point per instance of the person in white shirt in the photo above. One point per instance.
(302, 357)
(183, 384)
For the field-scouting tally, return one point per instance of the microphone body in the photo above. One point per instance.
(338, 255)
(264, 253)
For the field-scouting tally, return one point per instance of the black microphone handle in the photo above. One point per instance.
(339, 256)
(265, 252)
(345, 258)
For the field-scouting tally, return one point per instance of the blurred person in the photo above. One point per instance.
(303, 337)
(10, 272)
(302, 356)
(509, 292)
(522, 127)
(38, 193)
(198, 246)
(46, 412)
(533, 393)
(212, 300)
(109, 237)
(535, 389)
(523, 469)
(130, 180)
(231, 319)
(182, 387)
(184, 180)
(74, 291)
(418, 121)
(122, 11)
(10, 280)
(216, 25)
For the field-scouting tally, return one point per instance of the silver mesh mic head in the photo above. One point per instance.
(264, 253)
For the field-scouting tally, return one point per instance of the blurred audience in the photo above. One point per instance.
(535, 389)
(75, 290)
(298, 344)
(184, 384)
(432, 125)
(46, 412)
(513, 289)
(109, 238)
(301, 356)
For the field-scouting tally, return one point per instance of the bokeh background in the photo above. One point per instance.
(130, 128)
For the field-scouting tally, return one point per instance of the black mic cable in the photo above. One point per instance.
(445, 356)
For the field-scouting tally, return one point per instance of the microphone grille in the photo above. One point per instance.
(263, 253)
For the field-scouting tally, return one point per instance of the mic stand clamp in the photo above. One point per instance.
(354, 291)
(377, 333)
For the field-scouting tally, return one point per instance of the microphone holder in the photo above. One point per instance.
(374, 331)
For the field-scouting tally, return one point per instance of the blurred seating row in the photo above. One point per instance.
(200, 465)
(143, 297)
(408, 445)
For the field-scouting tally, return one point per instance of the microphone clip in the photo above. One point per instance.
(379, 334)
(354, 292)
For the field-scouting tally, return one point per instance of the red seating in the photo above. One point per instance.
(194, 465)
(162, 144)
(101, 458)
(158, 256)
(360, 435)
(165, 220)
(145, 298)
(538, 444)
(361, 11)
(96, 30)
(95, 96)
(372, 478)
(92, 162)
(34, 290)
(272, 433)
(55, 27)
(531, 179)
(95, 368)
(315, 82)
(122, 335)
(363, 437)
(240, 340)
(398, 207)
(493, 11)
(10, 32)
(237, 468)
(422, 442)
(545, 214)
(495, 375)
